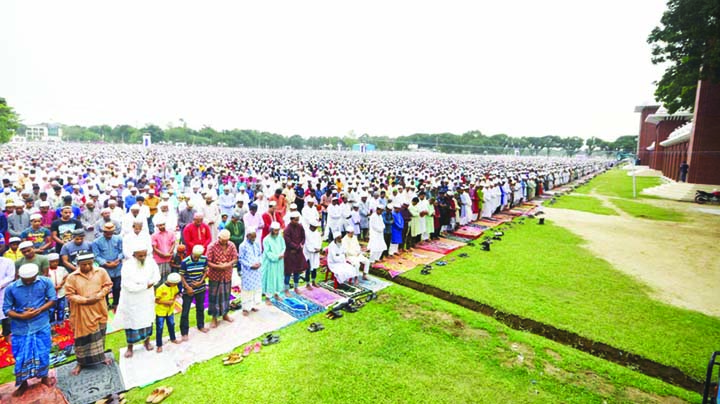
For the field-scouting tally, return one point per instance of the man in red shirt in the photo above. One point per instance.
(197, 233)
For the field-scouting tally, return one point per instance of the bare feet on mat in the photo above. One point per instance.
(76, 370)
(228, 318)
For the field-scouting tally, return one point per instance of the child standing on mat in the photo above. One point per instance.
(59, 275)
(164, 309)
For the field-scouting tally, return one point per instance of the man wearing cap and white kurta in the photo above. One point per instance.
(136, 311)
(353, 252)
(338, 263)
(313, 245)
(251, 271)
(377, 245)
(26, 303)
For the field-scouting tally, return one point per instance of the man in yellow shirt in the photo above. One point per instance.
(165, 309)
(13, 252)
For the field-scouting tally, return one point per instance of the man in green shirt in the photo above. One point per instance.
(236, 228)
(31, 257)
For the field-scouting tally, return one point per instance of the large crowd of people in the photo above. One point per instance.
(93, 228)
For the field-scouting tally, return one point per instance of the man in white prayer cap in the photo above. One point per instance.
(26, 303)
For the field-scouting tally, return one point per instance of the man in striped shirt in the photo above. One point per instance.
(193, 271)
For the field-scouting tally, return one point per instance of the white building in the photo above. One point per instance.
(45, 132)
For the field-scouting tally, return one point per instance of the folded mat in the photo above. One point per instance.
(442, 245)
(406, 261)
(453, 237)
(93, 382)
(146, 367)
(320, 296)
(297, 306)
(37, 393)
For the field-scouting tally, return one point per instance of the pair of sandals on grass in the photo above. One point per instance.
(159, 394)
(237, 357)
(350, 306)
(114, 398)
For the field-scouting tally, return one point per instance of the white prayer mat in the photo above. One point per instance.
(373, 283)
(146, 367)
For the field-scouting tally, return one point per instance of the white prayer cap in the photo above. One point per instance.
(294, 214)
(135, 207)
(25, 244)
(272, 203)
(309, 199)
(275, 226)
(44, 204)
(14, 240)
(224, 234)
(293, 206)
(139, 247)
(53, 257)
(349, 229)
(380, 206)
(112, 202)
(160, 220)
(28, 270)
(36, 216)
(85, 256)
(250, 229)
(173, 277)
(198, 249)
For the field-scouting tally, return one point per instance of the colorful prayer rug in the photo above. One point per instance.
(320, 296)
(407, 261)
(62, 341)
(457, 238)
(442, 245)
(468, 232)
(297, 306)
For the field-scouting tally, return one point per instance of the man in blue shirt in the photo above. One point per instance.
(108, 251)
(27, 301)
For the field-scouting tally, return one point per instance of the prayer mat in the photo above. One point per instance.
(478, 225)
(468, 232)
(206, 303)
(93, 382)
(457, 238)
(146, 367)
(504, 217)
(62, 342)
(345, 290)
(489, 223)
(406, 261)
(374, 284)
(37, 393)
(110, 329)
(297, 306)
(443, 246)
(320, 296)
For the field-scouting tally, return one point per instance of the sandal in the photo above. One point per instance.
(155, 393)
(233, 360)
(315, 327)
(256, 347)
(371, 297)
(231, 356)
(425, 271)
(441, 263)
(165, 393)
(334, 314)
(463, 255)
(271, 339)
(247, 351)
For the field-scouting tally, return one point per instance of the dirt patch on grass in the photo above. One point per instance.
(440, 319)
(639, 396)
(679, 261)
(556, 356)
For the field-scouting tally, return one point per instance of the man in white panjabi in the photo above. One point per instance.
(311, 249)
(377, 245)
(338, 263)
(136, 311)
(353, 252)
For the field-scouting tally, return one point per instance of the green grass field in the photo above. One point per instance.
(616, 183)
(544, 273)
(409, 347)
(583, 203)
(647, 211)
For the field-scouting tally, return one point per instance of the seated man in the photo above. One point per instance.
(353, 253)
(338, 263)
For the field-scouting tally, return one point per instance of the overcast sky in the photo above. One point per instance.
(524, 68)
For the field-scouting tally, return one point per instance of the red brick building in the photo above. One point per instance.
(666, 140)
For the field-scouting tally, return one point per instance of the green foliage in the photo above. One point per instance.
(8, 121)
(544, 273)
(688, 40)
(584, 204)
(647, 211)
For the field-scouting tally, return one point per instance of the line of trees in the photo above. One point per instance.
(473, 142)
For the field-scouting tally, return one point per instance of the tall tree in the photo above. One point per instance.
(688, 39)
(8, 121)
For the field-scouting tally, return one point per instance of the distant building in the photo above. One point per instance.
(45, 132)
(412, 147)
